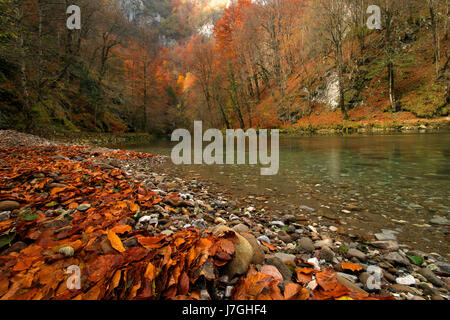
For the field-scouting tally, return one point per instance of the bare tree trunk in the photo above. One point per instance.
(434, 27)
(23, 68)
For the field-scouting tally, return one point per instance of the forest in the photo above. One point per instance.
(157, 65)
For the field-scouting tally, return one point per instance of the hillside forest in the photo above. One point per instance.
(157, 65)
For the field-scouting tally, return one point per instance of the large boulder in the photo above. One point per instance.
(8, 205)
(258, 253)
(243, 252)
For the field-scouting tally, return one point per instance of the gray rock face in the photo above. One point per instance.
(357, 254)
(396, 258)
(306, 244)
(430, 276)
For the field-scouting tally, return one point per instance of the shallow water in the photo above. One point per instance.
(397, 181)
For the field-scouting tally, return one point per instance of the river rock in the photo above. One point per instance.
(427, 289)
(350, 284)
(285, 257)
(83, 207)
(407, 280)
(5, 215)
(219, 220)
(67, 251)
(283, 236)
(442, 221)
(167, 232)
(385, 237)
(258, 253)
(264, 239)
(386, 245)
(243, 253)
(326, 254)
(402, 288)
(366, 279)
(272, 271)
(277, 223)
(323, 243)
(306, 244)
(357, 254)
(281, 266)
(241, 228)
(8, 205)
(430, 276)
(396, 258)
(443, 266)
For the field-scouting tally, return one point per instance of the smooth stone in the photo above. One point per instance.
(408, 280)
(6, 215)
(323, 243)
(306, 244)
(386, 245)
(357, 254)
(277, 223)
(243, 253)
(442, 221)
(67, 251)
(368, 282)
(430, 276)
(402, 288)
(83, 207)
(349, 284)
(281, 266)
(167, 233)
(258, 253)
(326, 254)
(219, 220)
(396, 258)
(272, 271)
(428, 290)
(8, 205)
(347, 276)
(285, 257)
(443, 266)
(241, 228)
(303, 207)
(385, 237)
(264, 239)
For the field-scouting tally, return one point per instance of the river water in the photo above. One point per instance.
(363, 182)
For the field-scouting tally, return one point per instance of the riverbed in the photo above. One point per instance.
(362, 183)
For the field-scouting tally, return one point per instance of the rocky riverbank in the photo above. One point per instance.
(141, 233)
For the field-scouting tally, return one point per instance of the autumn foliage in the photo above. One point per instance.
(116, 261)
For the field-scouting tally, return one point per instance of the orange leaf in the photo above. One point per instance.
(115, 241)
(294, 291)
(121, 229)
(351, 266)
(272, 248)
(150, 272)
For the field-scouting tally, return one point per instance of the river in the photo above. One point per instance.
(364, 183)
